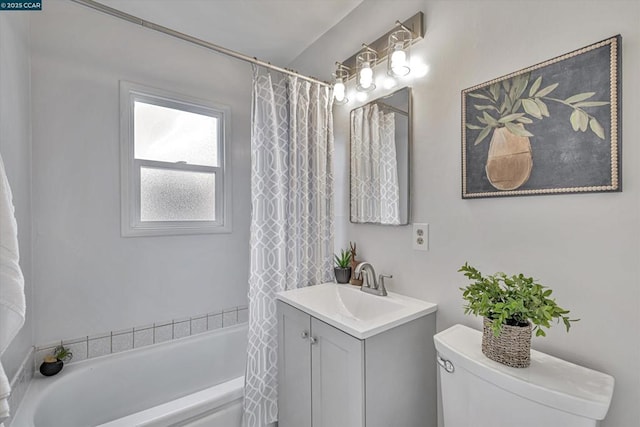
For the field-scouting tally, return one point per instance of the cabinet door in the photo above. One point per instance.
(337, 377)
(294, 367)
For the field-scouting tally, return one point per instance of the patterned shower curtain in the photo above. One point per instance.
(375, 194)
(291, 217)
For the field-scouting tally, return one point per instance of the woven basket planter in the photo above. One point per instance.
(512, 347)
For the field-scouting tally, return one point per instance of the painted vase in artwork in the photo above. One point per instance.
(509, 162)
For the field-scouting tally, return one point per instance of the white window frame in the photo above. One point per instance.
(131, 224)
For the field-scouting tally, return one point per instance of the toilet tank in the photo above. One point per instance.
(478, 392)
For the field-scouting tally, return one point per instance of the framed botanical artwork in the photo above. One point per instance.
(551, 128)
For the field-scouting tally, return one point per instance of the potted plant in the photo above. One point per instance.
(512, 307)
(54, 363)
(342, 270)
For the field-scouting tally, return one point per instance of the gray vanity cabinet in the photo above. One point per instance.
(328, 378)
(294, 367)
(337, 377)
(320, 373)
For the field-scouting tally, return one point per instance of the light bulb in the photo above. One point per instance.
(398, 58)
(366, 76)
(399, 66)
(339, 91)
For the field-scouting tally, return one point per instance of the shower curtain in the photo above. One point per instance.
(291, 217)
(375, 194)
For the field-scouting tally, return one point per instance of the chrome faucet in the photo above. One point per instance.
(369, 282)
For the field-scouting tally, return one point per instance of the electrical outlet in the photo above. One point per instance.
(420, 236)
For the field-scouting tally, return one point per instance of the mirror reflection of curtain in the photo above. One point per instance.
(375, 195)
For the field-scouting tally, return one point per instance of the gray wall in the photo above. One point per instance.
(15, 147)
(586, 247)
(89, 279)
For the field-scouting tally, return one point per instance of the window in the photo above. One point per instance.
(173, 164)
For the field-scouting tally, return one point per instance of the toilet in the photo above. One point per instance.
(478, 392)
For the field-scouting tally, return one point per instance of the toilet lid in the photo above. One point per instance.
(550, 381)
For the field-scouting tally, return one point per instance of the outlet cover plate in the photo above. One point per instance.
(420, 236)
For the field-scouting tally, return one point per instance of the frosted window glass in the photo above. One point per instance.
(169, 135)
(171, 195)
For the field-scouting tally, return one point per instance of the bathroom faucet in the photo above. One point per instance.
(369, 282)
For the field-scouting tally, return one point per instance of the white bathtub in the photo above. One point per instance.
(195, 381)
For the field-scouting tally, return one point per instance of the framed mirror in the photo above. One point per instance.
(380, 151)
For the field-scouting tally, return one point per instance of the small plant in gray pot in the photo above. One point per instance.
(342, 270)
(54, 363)
(512, 307)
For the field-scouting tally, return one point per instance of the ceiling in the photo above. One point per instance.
(271, 30)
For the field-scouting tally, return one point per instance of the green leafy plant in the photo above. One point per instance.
(509, 104)
(511, 300)
(62, 353)
(344, 259)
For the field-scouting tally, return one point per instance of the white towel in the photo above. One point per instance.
(12, 301)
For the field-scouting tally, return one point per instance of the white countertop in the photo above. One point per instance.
(357, 313)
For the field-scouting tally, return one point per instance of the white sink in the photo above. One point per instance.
(355, 312)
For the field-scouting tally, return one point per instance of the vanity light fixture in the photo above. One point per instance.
(339, 90)
(394, 46)
(365, 62)
(399, 51)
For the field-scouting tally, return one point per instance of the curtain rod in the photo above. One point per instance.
(182, 36)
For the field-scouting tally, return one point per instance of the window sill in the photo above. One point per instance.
(177, 230)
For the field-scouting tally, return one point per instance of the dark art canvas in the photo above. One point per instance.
(550, 128)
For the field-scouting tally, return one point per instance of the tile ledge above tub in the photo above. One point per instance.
(112, 342)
